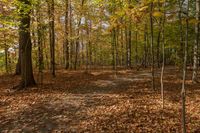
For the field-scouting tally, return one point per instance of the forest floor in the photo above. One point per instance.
(99, 102)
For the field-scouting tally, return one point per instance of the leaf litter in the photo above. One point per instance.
(97, 102)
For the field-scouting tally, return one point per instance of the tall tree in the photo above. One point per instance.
(152, 45)
(180, 3)
(158, 39)
(40, 40)
(66, 43)
(78, 38)
(183, 91)
(136, 45)
(163, 55)
(129, 40)
(71, 34)
(114, 50)
(52, 34)
(145, 44)
(26, 45)
(195, 57)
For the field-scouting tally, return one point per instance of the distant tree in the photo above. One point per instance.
(152, 44)
(66, 37)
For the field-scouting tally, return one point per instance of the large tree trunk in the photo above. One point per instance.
(26, 47)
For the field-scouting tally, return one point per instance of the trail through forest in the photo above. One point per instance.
(98, 102)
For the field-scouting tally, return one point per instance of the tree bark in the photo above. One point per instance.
(18, 65)
(71, 35)
(122, 47)
(66, 47)
(114, 50)
(78, 38)
(181, 54)
(152, 47)
(183, 91)
(129, 44)
(195, 57)
(145, 45)
(6, 58)
(158, 43)
(136, 46)
(52, 35)
(40, 38)
(27, 78)
(163, 56)
(6, 52)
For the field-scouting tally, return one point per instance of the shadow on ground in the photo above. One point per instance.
(97, 102)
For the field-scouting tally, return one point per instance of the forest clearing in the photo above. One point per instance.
(99, 66)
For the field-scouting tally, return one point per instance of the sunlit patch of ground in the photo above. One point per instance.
(98, 102)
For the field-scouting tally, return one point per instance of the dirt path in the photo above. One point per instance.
(97, 102)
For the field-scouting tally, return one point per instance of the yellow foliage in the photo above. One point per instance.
(193, 21)
(143, 8)
(157, 14)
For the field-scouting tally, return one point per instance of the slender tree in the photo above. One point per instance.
(136, 45)
(114, 50)
(183, 91)
(145, 44)
(180, 3)
(66, 43)
(5, 51)
(71, 35)
(152, 45)
(158, 40)
(195, 57)
(163, 55)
